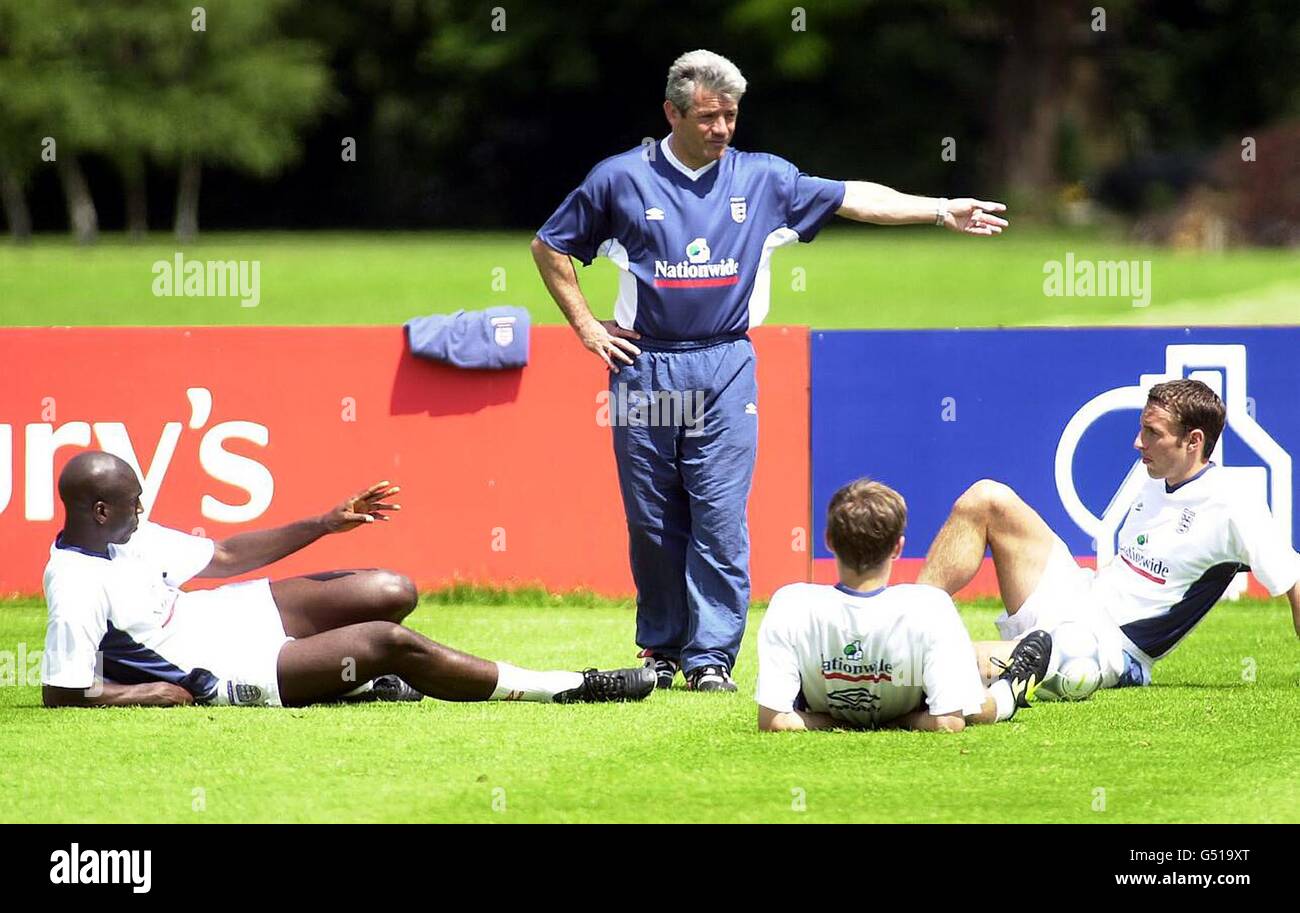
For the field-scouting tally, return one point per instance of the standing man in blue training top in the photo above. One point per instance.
(692, 226)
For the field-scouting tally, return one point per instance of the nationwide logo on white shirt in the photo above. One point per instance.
(696, 271)
(848, 670)
(1152, 569)
(654, 214)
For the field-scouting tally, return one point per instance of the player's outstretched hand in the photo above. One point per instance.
(975, 217)
(610, 341)
(363, 507)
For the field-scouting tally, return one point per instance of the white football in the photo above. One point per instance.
(1074, 671)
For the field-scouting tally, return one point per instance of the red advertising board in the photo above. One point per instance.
(507, 477)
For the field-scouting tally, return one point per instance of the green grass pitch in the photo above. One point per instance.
(851, 276)
(1203, 744)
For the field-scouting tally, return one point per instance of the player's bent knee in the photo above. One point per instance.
(395, 593)
(987, 498)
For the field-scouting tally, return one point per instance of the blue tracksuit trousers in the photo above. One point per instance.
(685, 420)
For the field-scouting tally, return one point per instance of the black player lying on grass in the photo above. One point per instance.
(122, 632)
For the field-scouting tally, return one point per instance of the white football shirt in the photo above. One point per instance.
(866, 657)
(119, 606)
(1179, 549)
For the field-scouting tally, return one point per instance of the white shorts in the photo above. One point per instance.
(1065, 593)
(233, 631)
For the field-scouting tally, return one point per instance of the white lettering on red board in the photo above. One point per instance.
(43, 439)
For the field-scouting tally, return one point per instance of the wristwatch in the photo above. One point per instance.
(941, 214)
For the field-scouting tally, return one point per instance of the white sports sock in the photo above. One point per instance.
(515, 684)
(1003, 698)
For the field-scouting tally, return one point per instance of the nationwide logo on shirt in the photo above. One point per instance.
(696, 271)
(1151, 568)
(847, 670)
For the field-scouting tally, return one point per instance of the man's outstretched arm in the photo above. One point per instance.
(111, 694)
(881, 205)
(807, 720)
(249, 551)
(924, 721)
(770, 720)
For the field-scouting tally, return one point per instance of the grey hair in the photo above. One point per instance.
(702, 69)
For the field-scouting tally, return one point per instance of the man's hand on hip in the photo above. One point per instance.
(610, 341)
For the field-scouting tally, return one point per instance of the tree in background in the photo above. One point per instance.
(234, 94)
(150, 80)
(18, 133)
(134, 42)
(51, 109)
(484, 115)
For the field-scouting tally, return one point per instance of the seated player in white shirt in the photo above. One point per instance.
(862, 654)
(1188, 532)
(121, 631)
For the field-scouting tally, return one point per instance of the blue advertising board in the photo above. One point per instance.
(1051, 412)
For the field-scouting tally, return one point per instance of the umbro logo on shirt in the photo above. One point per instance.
(859, 699)
(654, 214)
